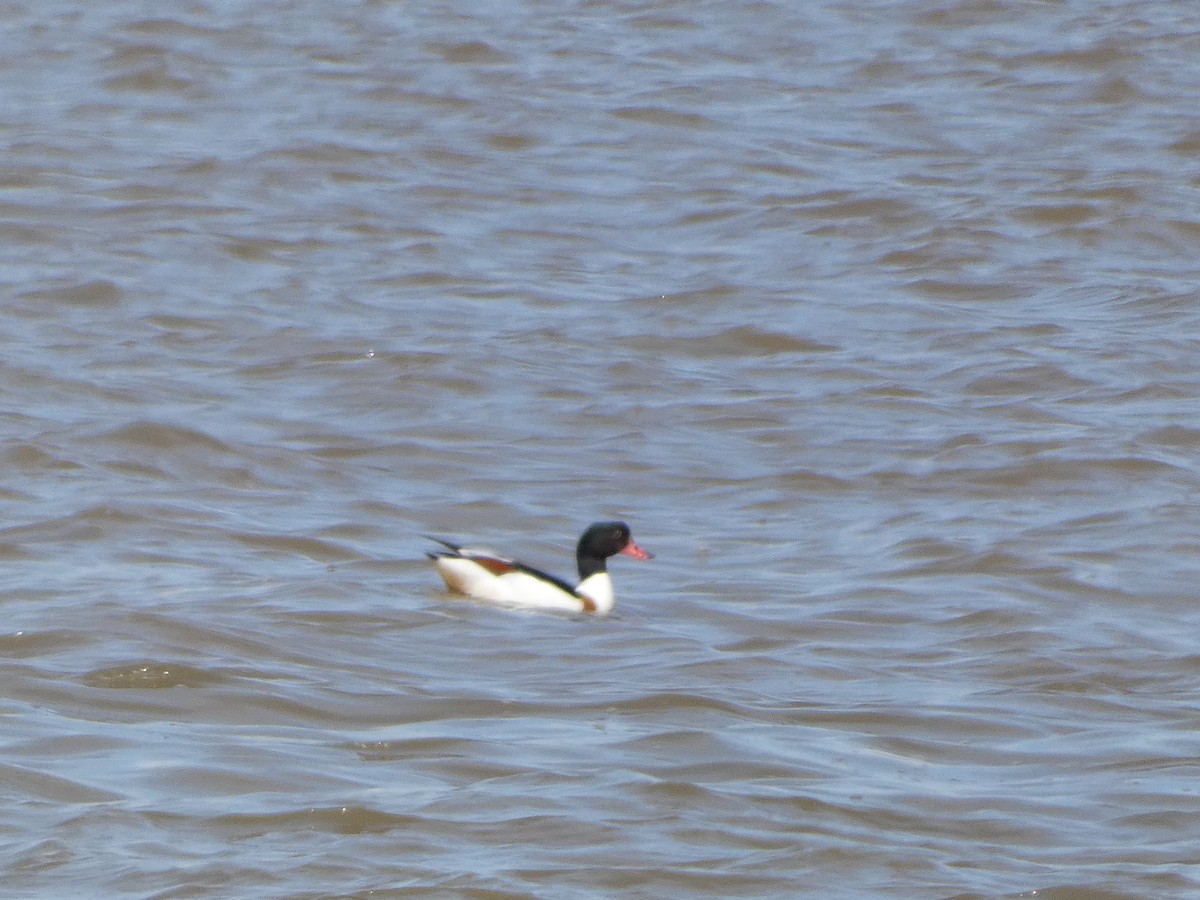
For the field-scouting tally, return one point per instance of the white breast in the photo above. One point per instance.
(598, 588)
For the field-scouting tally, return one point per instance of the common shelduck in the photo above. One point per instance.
(485, 576)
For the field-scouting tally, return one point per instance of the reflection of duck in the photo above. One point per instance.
(485, 576)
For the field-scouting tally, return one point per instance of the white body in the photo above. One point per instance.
(519, 588)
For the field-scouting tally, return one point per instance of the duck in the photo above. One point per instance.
(484, 575)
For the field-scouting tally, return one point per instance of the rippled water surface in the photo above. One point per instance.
(877, 321)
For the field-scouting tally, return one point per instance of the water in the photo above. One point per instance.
(876, 321)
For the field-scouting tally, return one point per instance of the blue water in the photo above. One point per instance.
(875, 322)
